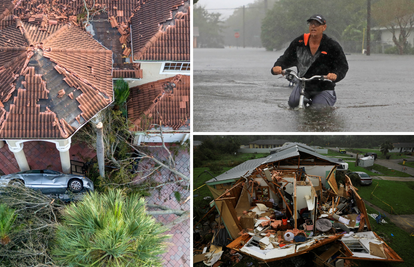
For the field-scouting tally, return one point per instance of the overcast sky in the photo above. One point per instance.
(216, 5)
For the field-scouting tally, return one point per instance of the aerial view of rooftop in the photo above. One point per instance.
(95, 133)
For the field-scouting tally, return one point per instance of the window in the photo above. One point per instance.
(355, 246)
(176, 67)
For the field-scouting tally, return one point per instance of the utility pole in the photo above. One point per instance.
(244, 28)
(368, 27)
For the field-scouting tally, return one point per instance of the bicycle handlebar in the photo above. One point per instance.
(291, 73)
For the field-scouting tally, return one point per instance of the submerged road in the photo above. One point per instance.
(234, 91)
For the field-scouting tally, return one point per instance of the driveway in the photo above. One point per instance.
(389, 163)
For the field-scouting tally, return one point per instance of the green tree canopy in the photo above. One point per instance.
(386, 147)
(210, 27)
(398, 17)
(287, 19)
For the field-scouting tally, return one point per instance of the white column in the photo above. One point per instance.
(138, 138)
(185, 138)
(17, 148)
(63, 146)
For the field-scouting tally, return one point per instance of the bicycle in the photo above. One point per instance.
(292, 77)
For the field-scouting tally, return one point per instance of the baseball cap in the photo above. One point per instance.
(318, 18)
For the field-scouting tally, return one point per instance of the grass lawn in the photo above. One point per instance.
(335, 154)
(399, 195)
(389, 172)
(408, 164)
(353, 168)
(364, 150)
(401, 242)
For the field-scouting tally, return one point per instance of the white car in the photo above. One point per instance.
(48, 181)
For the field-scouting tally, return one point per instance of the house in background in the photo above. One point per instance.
(267, 143)
(403, 147)
(161, 45)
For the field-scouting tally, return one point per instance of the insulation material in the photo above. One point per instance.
(377, 250)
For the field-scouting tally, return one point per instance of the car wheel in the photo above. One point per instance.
(16, 182)
(75, 185)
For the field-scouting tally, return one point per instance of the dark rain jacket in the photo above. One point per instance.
(329, 58)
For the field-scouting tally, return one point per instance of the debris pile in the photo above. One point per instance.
(276, 213)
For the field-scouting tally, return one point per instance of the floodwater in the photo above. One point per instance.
(234, 91)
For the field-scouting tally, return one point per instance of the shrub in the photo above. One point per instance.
(7, 218)
(109, 229)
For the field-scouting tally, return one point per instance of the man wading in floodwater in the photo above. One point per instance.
(314, 53)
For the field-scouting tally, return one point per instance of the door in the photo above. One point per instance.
(53, 182)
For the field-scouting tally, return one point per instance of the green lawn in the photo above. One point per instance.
(335, 154)
(408, 164)
(353, 168)
(399, 195)
(389, 172)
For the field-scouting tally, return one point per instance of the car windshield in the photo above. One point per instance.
(364, 175)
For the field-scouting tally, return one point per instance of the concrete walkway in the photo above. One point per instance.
(393, 164)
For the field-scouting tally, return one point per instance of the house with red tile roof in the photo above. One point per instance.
(160, 43)
(55, 76)
(53, 80)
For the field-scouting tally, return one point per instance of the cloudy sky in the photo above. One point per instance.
(227, 5)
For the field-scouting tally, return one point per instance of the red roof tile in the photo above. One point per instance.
(119, 73)
(150, 104)
(161, 31)
(6, 8)
(61, 10)
(63, 79)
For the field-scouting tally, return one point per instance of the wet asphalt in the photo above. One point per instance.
(234, 91)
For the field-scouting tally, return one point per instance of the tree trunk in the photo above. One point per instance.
(100, 149)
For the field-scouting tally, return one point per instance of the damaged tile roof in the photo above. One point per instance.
(111, 38)
(160, 31)
(53, 79)
(6, 8)
(153, 103)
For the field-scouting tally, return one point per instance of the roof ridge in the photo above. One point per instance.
(56, 34)
(59, 68)
(25, 24)
(104, 51)
(23, 30)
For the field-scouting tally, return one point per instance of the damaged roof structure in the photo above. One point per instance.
(52, 80)
(160, 103)
(58, 59)
(160, 42)
(279, 207)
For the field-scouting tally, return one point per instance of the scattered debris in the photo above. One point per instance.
(273, 213)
